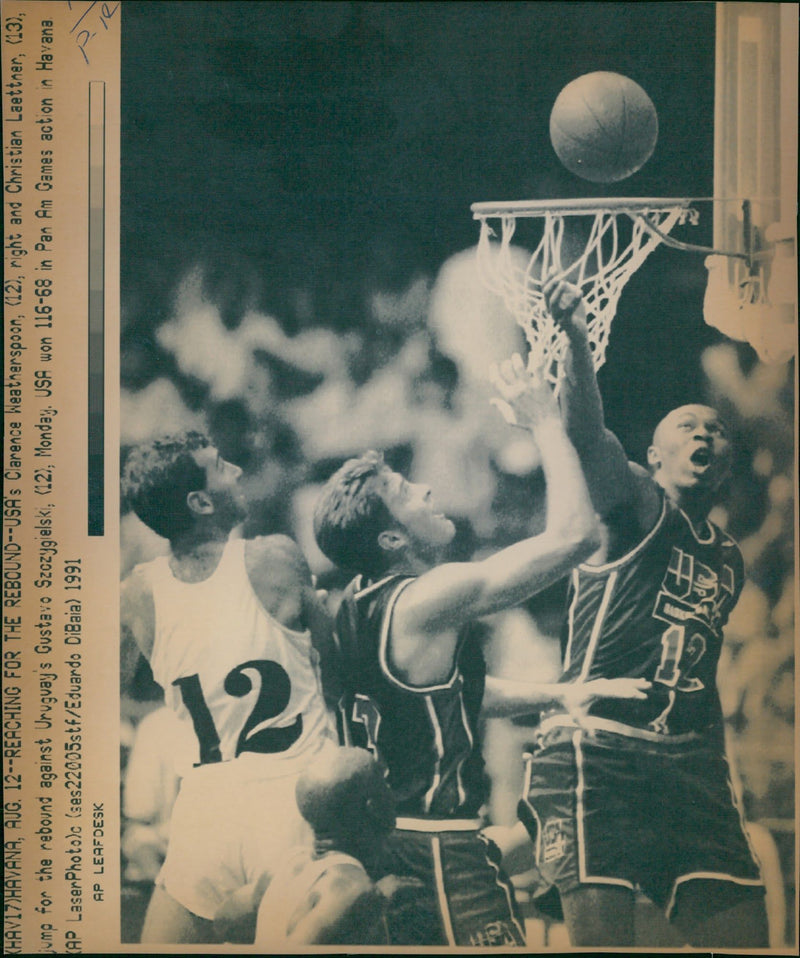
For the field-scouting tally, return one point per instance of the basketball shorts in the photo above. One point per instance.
(229, 825)
(612, 809)
(465, 898)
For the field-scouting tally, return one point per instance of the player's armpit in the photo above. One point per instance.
(279, 575)
(320, 624)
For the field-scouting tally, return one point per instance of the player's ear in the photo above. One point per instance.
(391, 540)
(200, 503)
(653, 458)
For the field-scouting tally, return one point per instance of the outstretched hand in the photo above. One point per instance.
(526, 399)
(579, 696)
(564, 302)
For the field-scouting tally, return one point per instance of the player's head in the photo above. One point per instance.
(344, 795)
(369, 517)
(175, 482)
(690, 450)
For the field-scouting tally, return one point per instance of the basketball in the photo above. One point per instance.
(603, 127)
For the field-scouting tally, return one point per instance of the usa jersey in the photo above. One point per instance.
(424, 736)
(242, 681)
(657, 613)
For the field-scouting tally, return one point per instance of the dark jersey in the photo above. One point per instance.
(657, 613)
(424, 736)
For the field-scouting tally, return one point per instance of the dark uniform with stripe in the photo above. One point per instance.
(644, 798)
(426, 737)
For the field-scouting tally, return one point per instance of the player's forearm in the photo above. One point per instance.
(507, 698)
(571, 532)
(580, 400)
(520, 571)
(602, 457)
(570, 514)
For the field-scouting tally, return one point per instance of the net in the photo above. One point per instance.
(621, 235)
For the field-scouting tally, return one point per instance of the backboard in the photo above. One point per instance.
(755, 169)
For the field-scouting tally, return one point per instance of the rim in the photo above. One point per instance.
(577, 207)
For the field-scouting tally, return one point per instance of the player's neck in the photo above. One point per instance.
(195, 556)
(411, 565)
(416, 561)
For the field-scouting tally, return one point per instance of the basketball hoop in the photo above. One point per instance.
(622, 234)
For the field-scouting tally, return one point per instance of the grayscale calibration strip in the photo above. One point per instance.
(97, 202)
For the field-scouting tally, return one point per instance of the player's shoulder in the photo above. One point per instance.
(346, 881)
(276, 543)
(136, 587)
(729, 545)
(638, 505)
(639, 472)
(363, 589)
(263, 552)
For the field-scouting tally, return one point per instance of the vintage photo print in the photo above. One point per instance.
(401, 397)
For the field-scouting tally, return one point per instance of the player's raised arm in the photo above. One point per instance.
(613, 481)
(456, 593)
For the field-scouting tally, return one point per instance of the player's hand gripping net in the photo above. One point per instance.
(617, 245)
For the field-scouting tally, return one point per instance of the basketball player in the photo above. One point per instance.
(640, 798)
(231, 629)
(324, 895)
(416, 674)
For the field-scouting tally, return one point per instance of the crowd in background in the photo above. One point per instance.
(289, 401)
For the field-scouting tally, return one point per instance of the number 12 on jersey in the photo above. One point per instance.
(678, 658)
(366, 713)
(274, 693)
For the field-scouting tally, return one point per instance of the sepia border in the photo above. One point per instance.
(61, 615)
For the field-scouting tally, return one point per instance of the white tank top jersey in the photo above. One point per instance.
(246, 684)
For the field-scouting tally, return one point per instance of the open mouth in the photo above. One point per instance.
(701, 456)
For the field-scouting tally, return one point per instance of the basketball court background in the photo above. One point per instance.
(296, 183)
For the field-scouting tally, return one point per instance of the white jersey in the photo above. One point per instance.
(245, 683)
